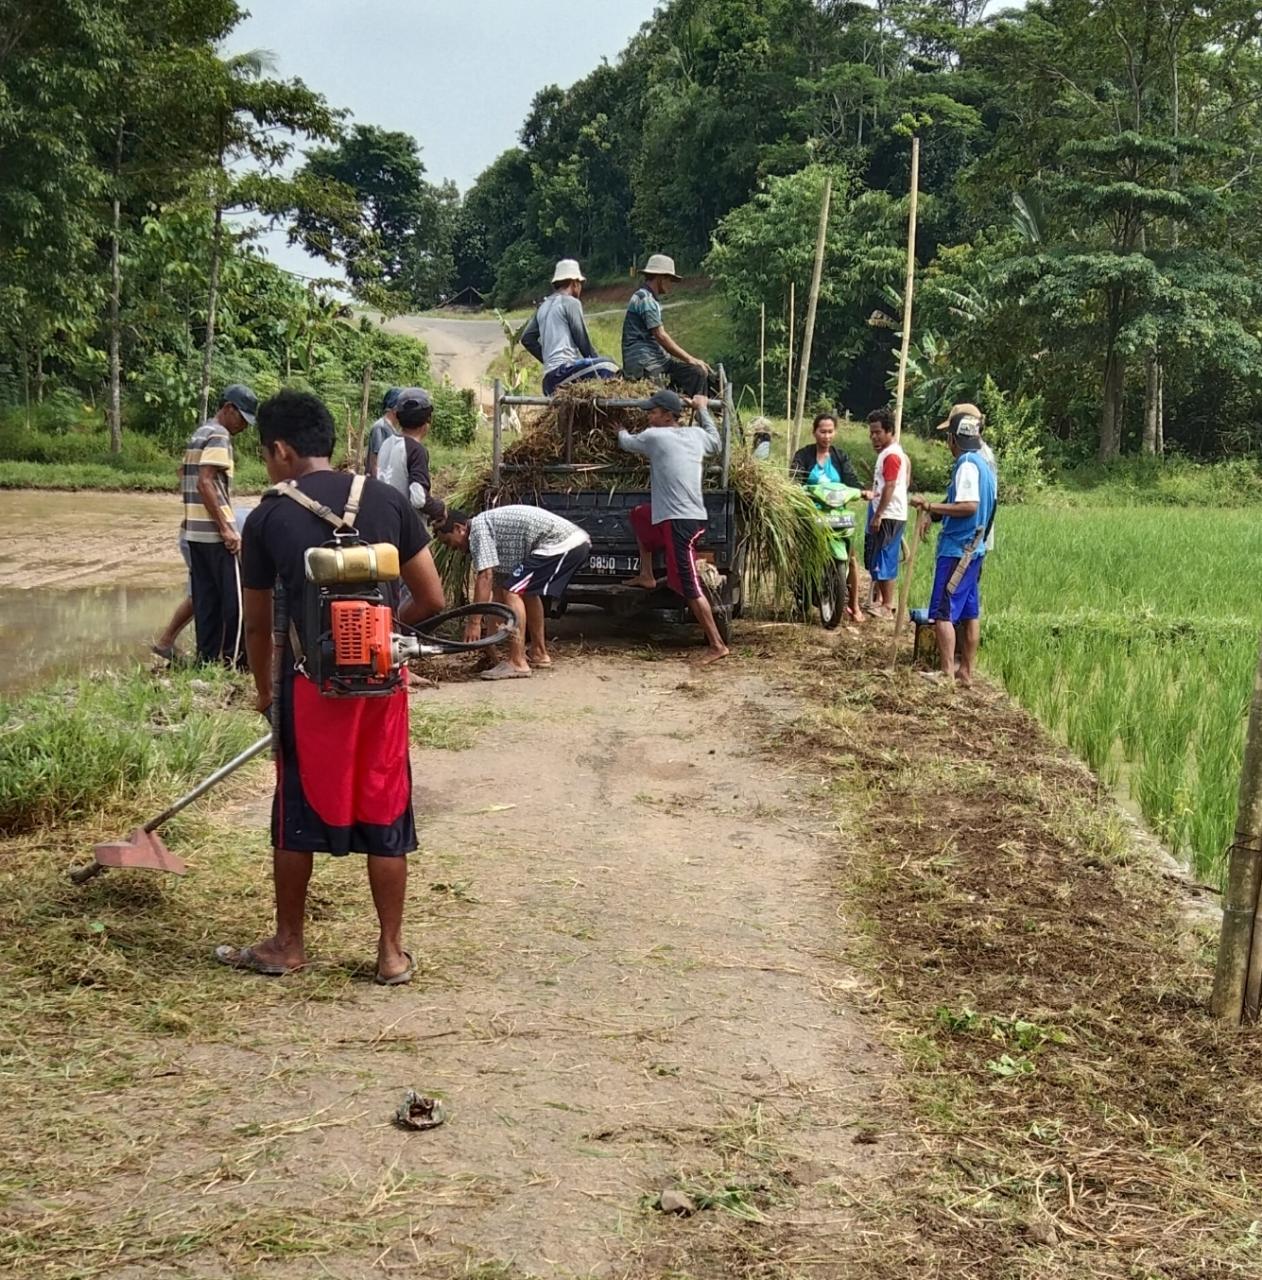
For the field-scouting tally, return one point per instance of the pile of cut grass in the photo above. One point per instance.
(787, 551)
(1072, 1110)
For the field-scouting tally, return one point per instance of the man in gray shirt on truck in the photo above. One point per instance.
(675, 519)
(557, 334)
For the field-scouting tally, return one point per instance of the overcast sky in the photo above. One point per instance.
(458, 75)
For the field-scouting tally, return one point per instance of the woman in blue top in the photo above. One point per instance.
(823, 460)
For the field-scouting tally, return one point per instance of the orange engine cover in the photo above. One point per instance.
(361, 636)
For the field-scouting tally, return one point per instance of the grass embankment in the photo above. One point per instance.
(1068, 1108)
(109, 1000)
(80, 458)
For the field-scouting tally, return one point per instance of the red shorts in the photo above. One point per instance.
(677, 539)
(343, 774)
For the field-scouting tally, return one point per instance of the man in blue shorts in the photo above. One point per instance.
(966, 517)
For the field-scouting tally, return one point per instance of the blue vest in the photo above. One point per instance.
(957, 531)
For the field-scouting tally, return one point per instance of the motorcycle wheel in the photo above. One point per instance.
(832, 597)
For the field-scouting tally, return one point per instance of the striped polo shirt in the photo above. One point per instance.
(209, 446)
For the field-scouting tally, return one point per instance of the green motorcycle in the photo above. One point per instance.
(831, 501)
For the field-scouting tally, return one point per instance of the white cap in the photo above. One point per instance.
(567, 269)
(660, 265)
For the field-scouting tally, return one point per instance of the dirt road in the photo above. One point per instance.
(461, 350)
(631, 981)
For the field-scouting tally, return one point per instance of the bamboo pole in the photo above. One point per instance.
(1238, 973)
(762, 359)
(360, 458)
(812, 302)
(788, 381)
(908, 289)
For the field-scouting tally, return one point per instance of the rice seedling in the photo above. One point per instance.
(1133, 634)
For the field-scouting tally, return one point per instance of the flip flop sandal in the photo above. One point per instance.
(164, 651)
(505, 671)
(244, 958)
(541, 666)
(399, 979)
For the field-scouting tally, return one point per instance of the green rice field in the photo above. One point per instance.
(1133, 634)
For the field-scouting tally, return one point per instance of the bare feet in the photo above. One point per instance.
(645, 584)
(712, 655)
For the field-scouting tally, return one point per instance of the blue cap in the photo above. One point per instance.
(390, 399)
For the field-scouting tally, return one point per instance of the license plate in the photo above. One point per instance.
(613, 564)
(841, 522)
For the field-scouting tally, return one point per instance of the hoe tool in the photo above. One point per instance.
(144, 847)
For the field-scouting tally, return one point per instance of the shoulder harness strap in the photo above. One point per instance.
(289, 489)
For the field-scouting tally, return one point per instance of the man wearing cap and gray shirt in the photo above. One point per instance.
(382, 430)
(209, 527)
(966, 516)
(675, 519)
(988, 454)
(404, 460)
(557, 334)
(648, 351)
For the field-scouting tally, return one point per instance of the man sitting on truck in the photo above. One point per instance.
(520, 554)
(648, 351)
(675, 519)
(557, 334)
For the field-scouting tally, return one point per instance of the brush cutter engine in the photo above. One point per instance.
(354, 650)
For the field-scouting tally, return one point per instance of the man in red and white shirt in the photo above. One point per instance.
(887, 512)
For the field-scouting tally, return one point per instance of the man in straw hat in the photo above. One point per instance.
(966, 517)
(557, 334)
(648, 351)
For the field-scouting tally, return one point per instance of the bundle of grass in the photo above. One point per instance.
(573, 445)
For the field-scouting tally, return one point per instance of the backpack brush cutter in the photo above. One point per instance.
(356, 652)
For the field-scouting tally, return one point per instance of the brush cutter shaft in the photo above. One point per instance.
(215, 778)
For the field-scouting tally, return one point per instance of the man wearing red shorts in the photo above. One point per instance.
(675, 519)
(343, 776)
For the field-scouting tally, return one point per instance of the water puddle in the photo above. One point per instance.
(46, 634)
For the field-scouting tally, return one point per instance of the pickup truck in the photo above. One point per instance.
(604, 513)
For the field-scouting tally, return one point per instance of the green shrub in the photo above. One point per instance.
(456, 415)
(1014, 431)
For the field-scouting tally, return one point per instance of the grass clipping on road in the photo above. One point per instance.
(1077, 1111)
(788, 551)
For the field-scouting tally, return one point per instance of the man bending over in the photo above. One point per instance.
(520, 554)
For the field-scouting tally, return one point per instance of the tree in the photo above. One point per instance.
(1130, 261)
(401, 241)
(251, 119)
(768, 242)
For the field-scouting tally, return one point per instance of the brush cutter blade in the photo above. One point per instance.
(143, 850)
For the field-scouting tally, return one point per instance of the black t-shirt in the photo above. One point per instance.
(278, 532)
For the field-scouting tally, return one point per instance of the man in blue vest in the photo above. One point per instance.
(966, 517)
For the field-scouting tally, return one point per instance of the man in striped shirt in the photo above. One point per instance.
(210, 528)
